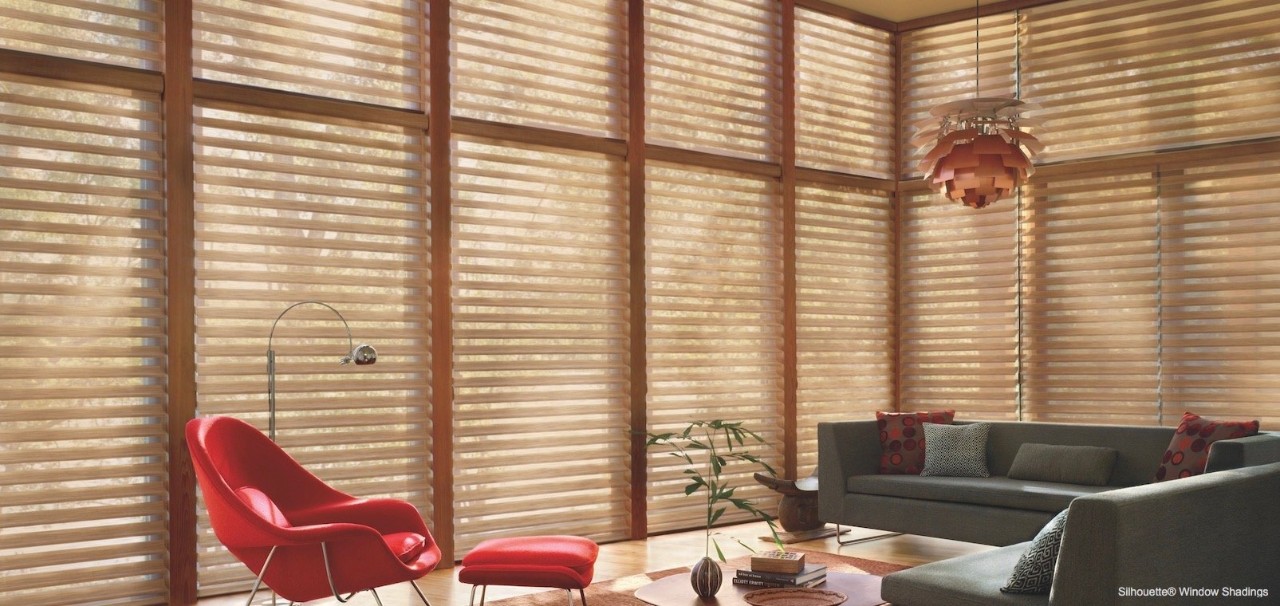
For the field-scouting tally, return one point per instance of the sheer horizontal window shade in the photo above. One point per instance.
(844, 308)
(712, 76)
(938, 67)
(83, 405)
(714, 325)
(557, 64)
(959, 306)
(541, 356)
(1221, 288)
(369, 51)
(845, 84)
(1090, 332)
(118, 32)
(290, 208)
(1200, 72)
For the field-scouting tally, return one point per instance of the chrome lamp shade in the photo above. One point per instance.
(361, 355)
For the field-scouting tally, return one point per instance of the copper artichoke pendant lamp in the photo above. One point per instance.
(980, 152)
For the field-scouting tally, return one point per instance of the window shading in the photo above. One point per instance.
(958, 307)
(291, 207)
(1220, 346)
(541, 357)
(845, 308)
(1199, 73)
(713, 76)
(845, 106)
(714, 280)
(1090, 325)
(356, 50)
(556, 64)
(117, 32)
(83, 404)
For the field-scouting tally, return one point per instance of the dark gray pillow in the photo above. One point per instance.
(956, 450)
(1034, 571)
(1088, 465)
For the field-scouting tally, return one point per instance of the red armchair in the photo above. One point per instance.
(302, 538)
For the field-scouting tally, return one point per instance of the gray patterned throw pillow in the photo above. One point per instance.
(1034, 571)
(956, 450)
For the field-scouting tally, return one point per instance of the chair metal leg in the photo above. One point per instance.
(582, 593)
(324, 551)
(375, 596)
(262, 573)
(424, 598)
(863, 539)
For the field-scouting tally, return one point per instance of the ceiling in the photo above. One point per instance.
(903, 10)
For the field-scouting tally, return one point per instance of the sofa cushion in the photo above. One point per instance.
(1089, 465)
(956, 450)
(996, 491)
(1188, 452)
(902, 438)
(1034, 571)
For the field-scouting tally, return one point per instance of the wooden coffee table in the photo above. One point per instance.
(675, 590)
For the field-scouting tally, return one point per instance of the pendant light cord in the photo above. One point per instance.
(977, 49)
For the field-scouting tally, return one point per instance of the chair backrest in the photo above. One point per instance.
(243, 474)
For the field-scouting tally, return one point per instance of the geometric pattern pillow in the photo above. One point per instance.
(1034, 571)
(1188, 452)
(958, 451)
(902, 439)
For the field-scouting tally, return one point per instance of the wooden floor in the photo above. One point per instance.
(666, 551)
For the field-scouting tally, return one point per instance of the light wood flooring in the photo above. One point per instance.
(656, 553)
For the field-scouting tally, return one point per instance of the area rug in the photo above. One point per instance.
(621, 591)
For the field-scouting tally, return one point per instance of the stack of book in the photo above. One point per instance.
(781, 569)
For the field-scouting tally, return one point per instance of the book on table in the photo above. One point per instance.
(810, 573)
(758, 584)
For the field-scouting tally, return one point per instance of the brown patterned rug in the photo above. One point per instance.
(621, 591)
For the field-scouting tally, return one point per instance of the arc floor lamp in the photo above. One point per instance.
(362, 355)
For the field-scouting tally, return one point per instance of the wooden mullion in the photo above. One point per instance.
(243, 97)
(534, 135)
(790, 346)
(86, 72)
(439, 137)
(636, 158)
(179, 179)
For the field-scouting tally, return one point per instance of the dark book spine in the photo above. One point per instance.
(778, 585)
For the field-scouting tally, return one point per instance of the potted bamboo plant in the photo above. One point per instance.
(707, 447)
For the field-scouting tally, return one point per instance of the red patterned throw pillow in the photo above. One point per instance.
(1188, 452)
(902, 439)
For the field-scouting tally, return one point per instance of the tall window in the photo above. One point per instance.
(82, 385)
(541, 360)
(712, 76)
(714, 321)
(297, 207)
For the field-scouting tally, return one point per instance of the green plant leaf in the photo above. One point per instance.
(719, 553)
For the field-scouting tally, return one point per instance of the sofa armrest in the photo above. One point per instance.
(1243, 452)
(1207, 531)
(845, 449)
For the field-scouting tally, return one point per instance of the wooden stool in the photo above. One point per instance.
(559, 561)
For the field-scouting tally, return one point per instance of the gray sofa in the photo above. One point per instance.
(1216, 532)
(996, 510)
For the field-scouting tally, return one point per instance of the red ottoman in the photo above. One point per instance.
(550, 561)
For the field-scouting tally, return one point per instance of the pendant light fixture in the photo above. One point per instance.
(979, 151)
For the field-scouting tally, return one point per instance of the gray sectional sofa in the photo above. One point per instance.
(995, 510)
(1209, 539)
(1213, 531)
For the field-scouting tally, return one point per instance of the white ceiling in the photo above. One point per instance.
(903, 10)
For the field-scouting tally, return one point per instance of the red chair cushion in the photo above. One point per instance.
(565, 562)
(406, 545)
(262, 505)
